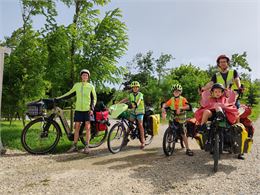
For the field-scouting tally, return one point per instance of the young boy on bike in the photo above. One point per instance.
(137, 112)
(85, 102)
(179, 104)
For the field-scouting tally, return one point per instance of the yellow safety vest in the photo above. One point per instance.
(181, 118)
(229, 80)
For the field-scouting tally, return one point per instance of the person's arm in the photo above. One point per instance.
(69, 94)
(207, 86)
(210, 84)
(237, 79)
(165, 105)
(93, 96)
(123, 101)
(139, 101)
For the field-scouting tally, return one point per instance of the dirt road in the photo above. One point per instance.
(131, 171)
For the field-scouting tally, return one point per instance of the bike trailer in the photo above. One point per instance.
(155, 123)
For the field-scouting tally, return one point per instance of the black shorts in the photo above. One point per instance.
(81, 116)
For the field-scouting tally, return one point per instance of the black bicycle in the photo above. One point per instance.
(172, 134)
(41, 135)
(118, 136)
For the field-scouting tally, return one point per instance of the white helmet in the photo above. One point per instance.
(85, 71)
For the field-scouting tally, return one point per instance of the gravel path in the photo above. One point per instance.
(131, 171)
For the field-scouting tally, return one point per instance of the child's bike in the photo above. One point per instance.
(172, 134)
(41, 135)
(118, 136)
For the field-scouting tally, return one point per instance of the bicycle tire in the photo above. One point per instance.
(38, 138)
(216, 152)
(148, 138)
(96, 139)
(116, 134)
(169, 142)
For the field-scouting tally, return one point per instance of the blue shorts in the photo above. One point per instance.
(139, 117)
(81, 116)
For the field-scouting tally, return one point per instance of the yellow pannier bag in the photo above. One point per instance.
(248, 145)
(155, 123)
(246, 142)
(199, 140)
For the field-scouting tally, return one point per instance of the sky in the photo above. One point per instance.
(193, 31)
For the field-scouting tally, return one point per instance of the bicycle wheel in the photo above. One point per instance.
(97, 138)
(148, 137)
(116, 138)
(40, 136)
(216, 151)
(169, 140)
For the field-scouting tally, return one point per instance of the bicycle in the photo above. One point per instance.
(172, 134)
(118, 136)
(41, 135)
(221, 136)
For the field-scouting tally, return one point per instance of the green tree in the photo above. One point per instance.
(161, 64)
(240, 61)
(190, 77)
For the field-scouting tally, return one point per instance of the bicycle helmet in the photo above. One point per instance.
(222, 57)
(135, 84)
(176, 87)
(85, 71)
(217, 86)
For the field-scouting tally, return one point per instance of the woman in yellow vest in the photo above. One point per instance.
(180, 105)
(138, 108)
(85, 101)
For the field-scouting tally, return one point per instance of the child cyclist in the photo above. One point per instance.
(179, 104)
(137, 112)
(85, 102)
(215, 105)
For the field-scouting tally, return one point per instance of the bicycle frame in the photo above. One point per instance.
(58, 112)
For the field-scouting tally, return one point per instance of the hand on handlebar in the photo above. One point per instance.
(91, 112)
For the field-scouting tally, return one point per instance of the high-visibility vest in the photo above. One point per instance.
(135, 98)
(229, 80)
(181, 118)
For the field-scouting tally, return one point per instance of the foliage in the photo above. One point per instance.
(48, 61)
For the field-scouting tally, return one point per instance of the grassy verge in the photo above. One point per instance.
(255, 112)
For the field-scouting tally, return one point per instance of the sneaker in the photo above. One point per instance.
(142, 146)
(73, 148)
(240, 157)
(2, 151)
(189, 152)
(86, 150)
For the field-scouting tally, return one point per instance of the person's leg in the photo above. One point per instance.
(205, 116)
(141, 129)
(76, 133)
(131, 119)
(185, 139)
(87, 127)
(74, 147)
(140, 119)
